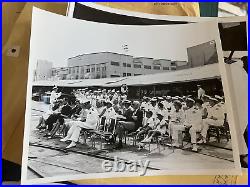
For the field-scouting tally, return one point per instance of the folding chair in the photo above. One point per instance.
(219, 131)
(105, 134)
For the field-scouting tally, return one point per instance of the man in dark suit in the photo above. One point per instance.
(132, 122)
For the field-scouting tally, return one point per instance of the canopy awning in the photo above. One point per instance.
(192, 74)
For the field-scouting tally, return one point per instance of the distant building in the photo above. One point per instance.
(202, 54)
(182, 65)
(108, 64)
(43, 70)
(60, 73)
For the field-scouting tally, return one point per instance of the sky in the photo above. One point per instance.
(56, 38)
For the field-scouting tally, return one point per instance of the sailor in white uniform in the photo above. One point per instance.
(215, 117)
(176, 123)
(53, 96)
(201, 91)
(196, 121)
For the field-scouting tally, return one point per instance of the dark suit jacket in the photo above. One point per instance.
(139, 114)
(128, 114)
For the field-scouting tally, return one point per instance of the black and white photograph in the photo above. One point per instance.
(107, 100)
(233, 33)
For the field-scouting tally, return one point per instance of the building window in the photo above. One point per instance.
(137, 74)
(114, 75)
(82, 70)
(147, 67)
(92, 69)
(173, 68)
(115, 63)
(137, 66)
(88, 70)
(172, 63)
(104, 68)
(126, 65)
(77, 69)
(165, 68)
(124, 74)
(73, 70)
(157, 67)
(98, 69)
(128, 74)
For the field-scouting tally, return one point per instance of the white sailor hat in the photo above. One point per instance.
(153, 99)
(218, 97)
(86, 101)
(127, 101)
(113, 91)
(175, 98)
(108, 101)
(190, 99)
(123, 96)
(168, 97)
(160, 98)
(213, 99)
(136, 102)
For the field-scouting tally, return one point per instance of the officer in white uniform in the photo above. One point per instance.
(53, 96)
(77, 126)
(110, 112)
(176, 122)
(201, 92)
(196, 121)
(215, 117)
(153, 107)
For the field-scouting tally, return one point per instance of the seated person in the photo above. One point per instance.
(75, 111)
(42, 120)
(176, 123)
(117, 107)
(133, 120)
(109, 114)
(160, 128)
(63, 113)
(101, 107)
(148, 125)
(196, 121)
(89, 124)
(79, 115)
(215, 117)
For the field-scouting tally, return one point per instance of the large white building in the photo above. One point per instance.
(43, 70)
(108, 64)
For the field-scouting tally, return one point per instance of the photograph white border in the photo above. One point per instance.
(24, 179)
